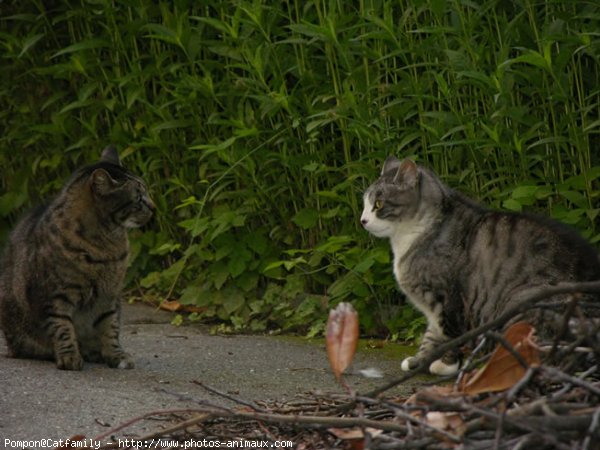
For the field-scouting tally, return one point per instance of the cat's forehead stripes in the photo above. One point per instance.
(118, 173)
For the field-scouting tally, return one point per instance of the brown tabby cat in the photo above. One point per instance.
(63, 268)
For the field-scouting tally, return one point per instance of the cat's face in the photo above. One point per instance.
(120, 197)
(392, 200)
(124, 200)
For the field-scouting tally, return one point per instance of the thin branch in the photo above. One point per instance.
(140, 418)
(228, 396)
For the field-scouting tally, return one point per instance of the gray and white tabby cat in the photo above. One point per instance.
(461, 264)
(63, 268)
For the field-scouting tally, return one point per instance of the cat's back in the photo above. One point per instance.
(513, 252)
(526, 241)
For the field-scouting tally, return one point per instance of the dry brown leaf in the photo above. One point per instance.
(446, 421)
(354, 437)
(347, 433)
(175, 306)
(342, 337)
(502, 371)
(170, 305)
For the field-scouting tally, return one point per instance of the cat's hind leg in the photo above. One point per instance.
(22, 346)
(21, 339)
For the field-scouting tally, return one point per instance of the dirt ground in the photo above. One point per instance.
(39, 402)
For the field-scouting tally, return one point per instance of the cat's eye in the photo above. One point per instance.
(378, 204)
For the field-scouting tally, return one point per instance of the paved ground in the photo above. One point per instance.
(37, 401)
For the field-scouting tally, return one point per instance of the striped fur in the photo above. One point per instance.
(461, 264)
(63, 268)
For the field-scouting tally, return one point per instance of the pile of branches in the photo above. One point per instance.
(525, 394)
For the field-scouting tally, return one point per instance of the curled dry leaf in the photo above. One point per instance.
(347, 433)
(342, 337)
(447, 421)
(502, 371)
(175, 306)
(355, 437)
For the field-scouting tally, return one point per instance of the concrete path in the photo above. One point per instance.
(37, 401)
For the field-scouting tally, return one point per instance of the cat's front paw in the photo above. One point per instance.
(70, 361)
(409, 363)
(441, 368)
(126, 364)
(123, 361)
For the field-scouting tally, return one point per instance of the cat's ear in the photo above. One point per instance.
(407, 174)
(391, 164)
(101, 182)
(110, 155)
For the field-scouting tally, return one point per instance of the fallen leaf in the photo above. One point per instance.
(342, 337)
(170, 305)
(375, 344)
(354, 437)
(175, 306)
(347, 433)
(446, 421)
(503, 370)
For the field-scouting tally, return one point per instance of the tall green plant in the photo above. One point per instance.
(258, 125)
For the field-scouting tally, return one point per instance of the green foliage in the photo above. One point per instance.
(258, 125)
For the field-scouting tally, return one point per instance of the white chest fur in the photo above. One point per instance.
(404, 237)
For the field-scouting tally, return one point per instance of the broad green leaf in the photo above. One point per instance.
(194, 295)
(236, 265)
(306, 218)
(512, 204)
(524, 192)
(90, 44)
(233, 300)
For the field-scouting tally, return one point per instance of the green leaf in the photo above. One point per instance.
(577, 198)
(219, 272)
(364, 265)
(194, 295)
(90, 44)
(512, 204)
(150, 280)
(11, 201)
(195, 226)
(236, 266)
(257, 242)
(29, 43)
(521, 192)
(233, 300)
(166, 248)
(532, 58)
(306, 218)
